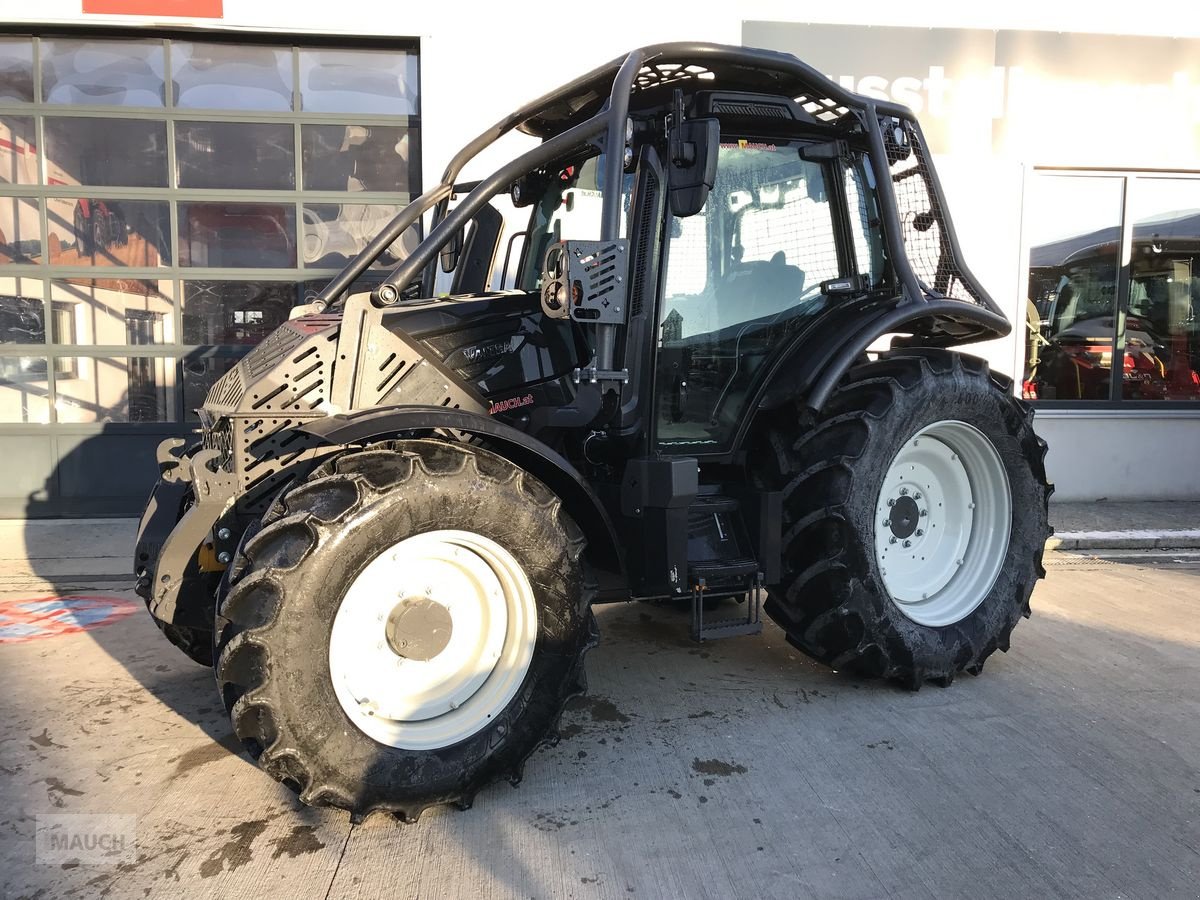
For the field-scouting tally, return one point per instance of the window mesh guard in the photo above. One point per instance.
(922, 219)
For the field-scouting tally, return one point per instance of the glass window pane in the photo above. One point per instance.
(94, 232)
(358, 81)
(200, 372)
(360, 158)
(16, 70)
(18, 150)
(20, 230)
(236, 155)
(231, 76)
(235, 312)
(111, 311)
(108, 152)
(115, 389)
(102, 73)
(1162, 329)
(1074, 234)
(22, 314)
(233, 235)
(24, 393)
(335, 232)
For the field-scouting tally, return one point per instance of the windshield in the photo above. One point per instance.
(747, 272)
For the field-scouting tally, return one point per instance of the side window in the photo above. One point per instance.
(866, 225)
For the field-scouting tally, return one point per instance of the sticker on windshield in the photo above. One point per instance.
(743, 144)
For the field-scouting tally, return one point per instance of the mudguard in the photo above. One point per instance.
(530, 454)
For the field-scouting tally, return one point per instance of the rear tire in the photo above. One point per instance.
(342, 546)
(868, 582)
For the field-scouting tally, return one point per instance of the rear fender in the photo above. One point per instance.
(524, 451)
(813, 364)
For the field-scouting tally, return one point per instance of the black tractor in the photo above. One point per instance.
(406, 500)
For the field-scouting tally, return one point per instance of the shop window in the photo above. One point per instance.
(117, 389)
(373, 82)
(359, 158)
(16, 70)
(235, 312)
(106, 152)
(20, 230)
(1086, 311)
(102, 73)
(237, 235)
(112, 311)
(98, 231)
(1074, 227)
(18, 150)
(24, 391)
(236, 155)
(22, 312)
(333, 233)
(231, 76)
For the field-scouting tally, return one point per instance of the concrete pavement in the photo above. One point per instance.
(734, 769)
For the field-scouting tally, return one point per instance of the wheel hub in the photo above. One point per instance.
(904, 517)
(419, 628)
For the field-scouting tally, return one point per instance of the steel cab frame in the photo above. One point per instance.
(595, 107)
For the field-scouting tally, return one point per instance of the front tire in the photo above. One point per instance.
(405, 628)
(913, 443)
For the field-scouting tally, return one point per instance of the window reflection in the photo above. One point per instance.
(116, 389)
(22, 315)
(105, 73)
(358, 81)
(235, 312)
(18, 150)
(231, 76)
(95, 151)
(107, 232)
(16, 70)
(112, 311)
(259, 235)
(235, 155)
(1162, 328)
(24, 392)
(335, 232)
(359, 158)
(1075, 237)
(20, 230)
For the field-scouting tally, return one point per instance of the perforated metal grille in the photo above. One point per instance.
(272, 349)
(227, 391)
(922, 219)
(821, 108)
(642, 260)
(657, 74)
(302, 384)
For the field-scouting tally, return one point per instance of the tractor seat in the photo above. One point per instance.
(759, 288)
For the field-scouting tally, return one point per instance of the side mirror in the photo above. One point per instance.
(694, 145)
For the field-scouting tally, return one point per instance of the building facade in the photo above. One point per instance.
(176, 174)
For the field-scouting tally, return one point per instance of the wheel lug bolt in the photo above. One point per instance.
(924, 512)
(891, 501)
(919, 532)
(903, 492)
(908, 543)
(917, 495)
(892, 539)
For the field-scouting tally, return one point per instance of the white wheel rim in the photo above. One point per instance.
(433, 639)
(942, 523)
